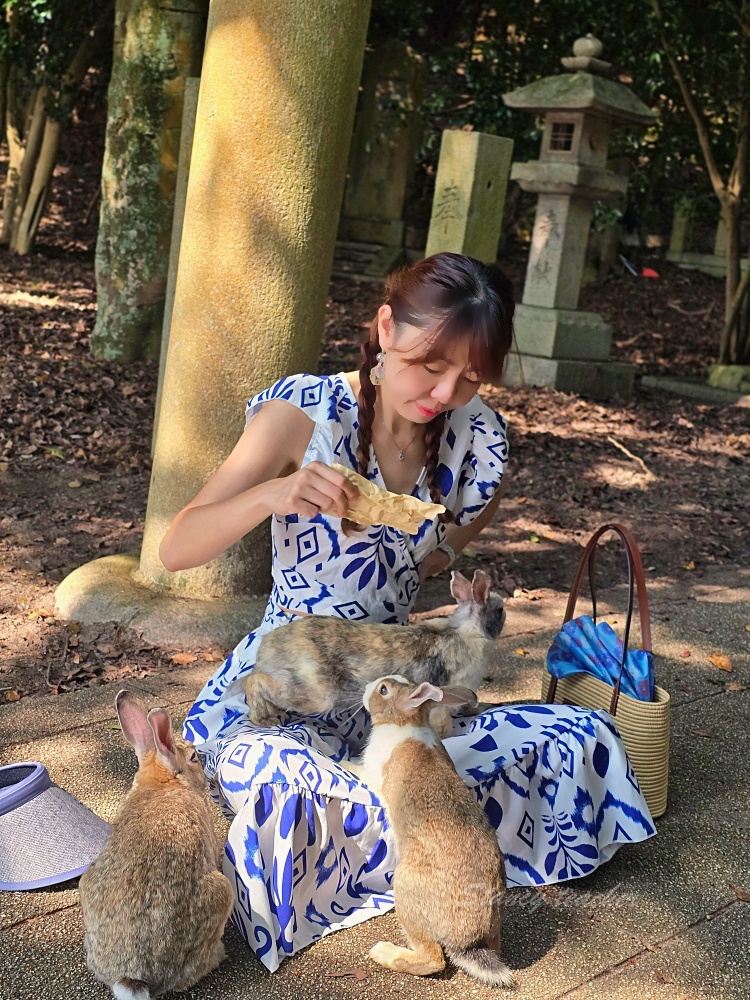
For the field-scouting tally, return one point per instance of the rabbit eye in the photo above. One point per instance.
(383, 689)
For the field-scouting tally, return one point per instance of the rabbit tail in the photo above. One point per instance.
(130, 989)
(482, 963)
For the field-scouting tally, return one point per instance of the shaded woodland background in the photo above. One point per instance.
(75, 430)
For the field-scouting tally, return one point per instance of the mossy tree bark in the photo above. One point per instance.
(157, 46)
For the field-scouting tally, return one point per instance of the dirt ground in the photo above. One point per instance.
(75, 436)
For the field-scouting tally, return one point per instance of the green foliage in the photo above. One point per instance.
(476, 50)
(39, 39)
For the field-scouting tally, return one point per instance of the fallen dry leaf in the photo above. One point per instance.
(74, 484)
(358, 974)
(4, 466)
(721, 661)
(706, 733)
(747, 628)
(183, 658)
(734, 686)
(742, 894)
(12, 695)
(108, 650)
(662, 977)
(521, 500)
(688, 565)
(522, 652)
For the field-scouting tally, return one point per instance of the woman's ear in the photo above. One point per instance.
(386, 328)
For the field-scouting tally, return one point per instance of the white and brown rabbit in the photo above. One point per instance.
(154, 902)
(449, 882)
(320, 663)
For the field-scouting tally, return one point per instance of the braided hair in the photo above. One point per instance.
(455, 297)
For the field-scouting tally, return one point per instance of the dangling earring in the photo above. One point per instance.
(377, 373)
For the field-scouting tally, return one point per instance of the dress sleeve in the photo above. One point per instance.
(316, 397)
(484, 460)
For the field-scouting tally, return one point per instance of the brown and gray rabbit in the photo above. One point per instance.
(154, 902)
(449, 882)
(320, 663)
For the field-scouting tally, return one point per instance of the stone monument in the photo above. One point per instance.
(559, 346)
(681, 250)
(467, 208)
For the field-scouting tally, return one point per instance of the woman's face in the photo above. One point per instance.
(419, 392)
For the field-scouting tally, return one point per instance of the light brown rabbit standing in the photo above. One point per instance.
(449, 882)
(154, 902)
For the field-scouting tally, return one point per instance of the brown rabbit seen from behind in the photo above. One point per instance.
(154, 902)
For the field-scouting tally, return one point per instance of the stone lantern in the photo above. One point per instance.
(559, 346)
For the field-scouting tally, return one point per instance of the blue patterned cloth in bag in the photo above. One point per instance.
(582, 646)
(309, 849)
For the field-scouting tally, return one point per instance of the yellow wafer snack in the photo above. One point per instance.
(376, 506)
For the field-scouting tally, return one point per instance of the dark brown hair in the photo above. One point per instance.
(456, 297)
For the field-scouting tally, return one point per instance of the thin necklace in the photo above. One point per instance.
(400, 449)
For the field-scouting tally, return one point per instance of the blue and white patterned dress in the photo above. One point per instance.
(309, 851)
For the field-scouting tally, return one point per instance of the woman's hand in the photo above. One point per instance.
(314, 489)
(433, 564)
(262, 476)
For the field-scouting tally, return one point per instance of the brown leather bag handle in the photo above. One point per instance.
(635, 574)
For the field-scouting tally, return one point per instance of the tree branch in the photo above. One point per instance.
(79, 64)
(738, 173)
(737, 15)
(695, 112)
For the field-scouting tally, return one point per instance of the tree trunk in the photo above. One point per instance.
(156, 48)
(34, 142)
(266, 178)
(36, 201)
(14, 135)
(742, 345)
(730, 215)
(4, 73)
(34, 135)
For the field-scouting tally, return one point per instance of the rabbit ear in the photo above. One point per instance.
(458, 696)
(135, 727)
(480, 586)
(460, 588)
(161, 726)
(424, 692)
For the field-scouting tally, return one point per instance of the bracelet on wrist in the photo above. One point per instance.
(445, 547)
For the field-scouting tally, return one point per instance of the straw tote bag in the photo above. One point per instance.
(643, 725)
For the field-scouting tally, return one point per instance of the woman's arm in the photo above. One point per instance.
(262, 476)
(458, 537)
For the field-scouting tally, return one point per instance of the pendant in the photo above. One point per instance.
(401, 456)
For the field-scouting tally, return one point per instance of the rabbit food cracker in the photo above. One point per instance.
(376, 506)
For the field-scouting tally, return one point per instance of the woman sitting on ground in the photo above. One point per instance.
(308, 851)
